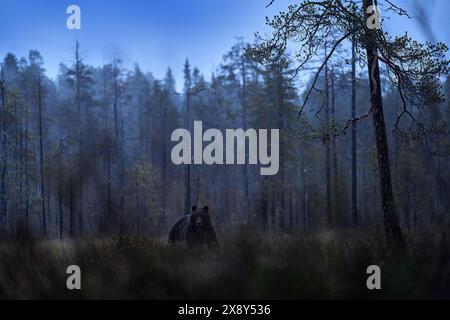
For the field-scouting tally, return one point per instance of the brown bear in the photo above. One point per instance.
(195, 229)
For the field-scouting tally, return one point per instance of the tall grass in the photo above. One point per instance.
(327, 265)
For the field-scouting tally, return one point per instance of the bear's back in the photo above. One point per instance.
(179, 229)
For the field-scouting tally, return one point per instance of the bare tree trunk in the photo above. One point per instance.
(244, 121)
(439, 185)
(71, 208)
(119, 135)
(187, 180)
(273, 211)
(17, 161)
(138, 201)
(41, 159)
(197, 186)
(21, 166)
(414, 205)
(305, 191)
(265, 206)
(335, 156)
(60, 194)
(108, 159)
(122, 168)
(280, 102)
(80, 139)
(109, 185)
(4, 173)
(164, 166)
(392, 229)
(291, 208)
(354, 141)
(27, 169)
(328, 149)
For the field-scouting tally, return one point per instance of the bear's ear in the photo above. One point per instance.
(194, 208)
(206, 208)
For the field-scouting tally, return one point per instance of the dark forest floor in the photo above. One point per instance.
(327, 265)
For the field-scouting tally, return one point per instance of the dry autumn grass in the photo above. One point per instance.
(327, 265)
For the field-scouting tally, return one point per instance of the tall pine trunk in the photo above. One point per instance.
(327, 147)
(393, 233)
(41, 159)
(280, 102)
(4, 150)
(245, 125)
(335, 155)
(80, 138)
(108, 159)
(187, 177)
(60, 192)
(354, 142)
(164, 164)
(71, 208)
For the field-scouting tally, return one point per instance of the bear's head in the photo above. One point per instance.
(200, 218)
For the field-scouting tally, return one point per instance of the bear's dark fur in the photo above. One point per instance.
(195, 229)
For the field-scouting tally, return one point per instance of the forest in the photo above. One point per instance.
(86, 175)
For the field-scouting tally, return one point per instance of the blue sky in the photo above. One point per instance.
(154, 33)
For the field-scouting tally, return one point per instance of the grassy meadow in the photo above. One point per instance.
(248, 265)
